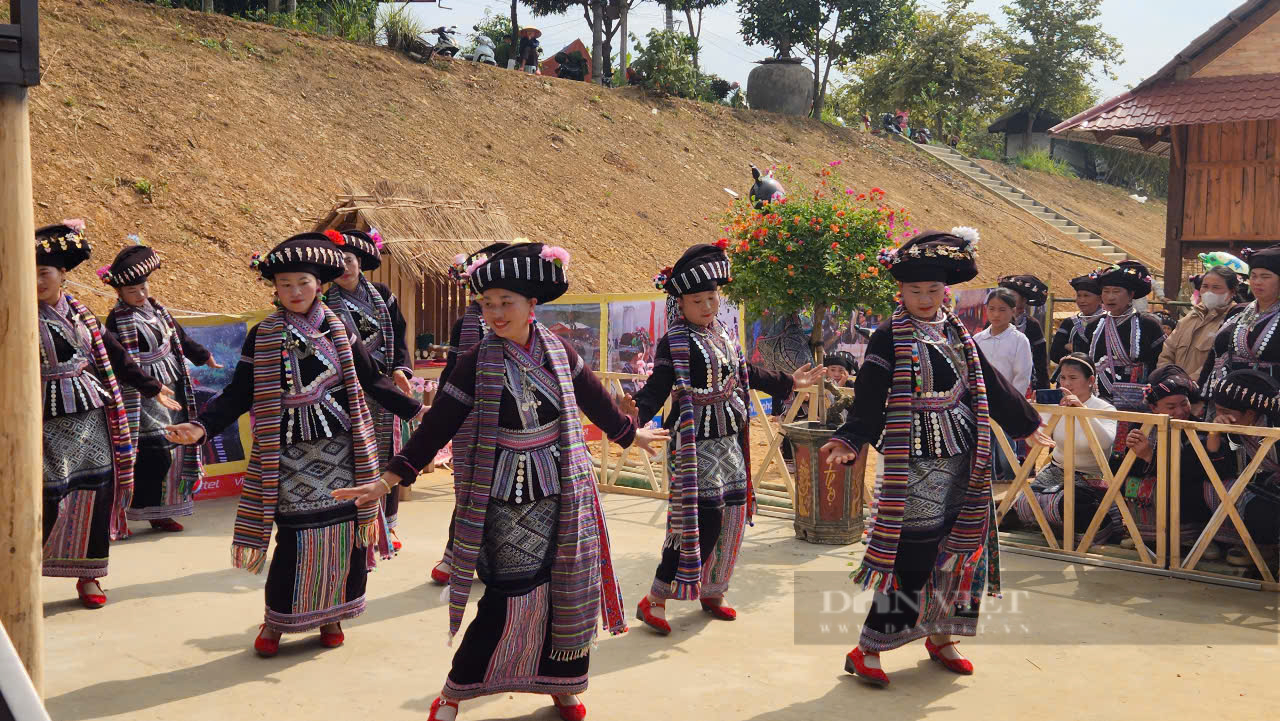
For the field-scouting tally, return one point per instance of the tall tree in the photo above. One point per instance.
(1059, 47)
(828, 32)
(951, 71)
(691, 9)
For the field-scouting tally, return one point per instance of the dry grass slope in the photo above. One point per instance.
(215, 138)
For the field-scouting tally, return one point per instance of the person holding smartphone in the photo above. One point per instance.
(1076, 381)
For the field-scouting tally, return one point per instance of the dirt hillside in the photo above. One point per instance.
(214, 138)
(1107, 210)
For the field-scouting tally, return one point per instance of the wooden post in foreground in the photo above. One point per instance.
(21, 611)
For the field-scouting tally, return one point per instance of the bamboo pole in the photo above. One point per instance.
(20, 437)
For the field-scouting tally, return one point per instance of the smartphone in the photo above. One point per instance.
(1049, 396)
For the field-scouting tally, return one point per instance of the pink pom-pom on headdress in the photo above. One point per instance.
(460, 259)
(104, 273)
(555, 254)
(377, 238)
(75, 224)
(475, 264)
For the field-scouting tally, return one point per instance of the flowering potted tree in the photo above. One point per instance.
(815, 251)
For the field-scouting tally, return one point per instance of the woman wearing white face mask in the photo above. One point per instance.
(1190, 343)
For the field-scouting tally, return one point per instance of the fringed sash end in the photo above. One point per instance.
(685, 590)
(252, 560)
(367, 534)
(571, 654)
(881, 581)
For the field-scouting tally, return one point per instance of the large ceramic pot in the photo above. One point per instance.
(828, 498)
(781, 85)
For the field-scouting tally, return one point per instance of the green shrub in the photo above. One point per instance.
(667, 64)
(989, 154)
(1041, 162)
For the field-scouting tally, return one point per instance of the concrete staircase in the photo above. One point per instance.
(1024, 202)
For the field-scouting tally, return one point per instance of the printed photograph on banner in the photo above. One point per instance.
(225, 342)
(635, 327)
(781, 342)
(576, 324)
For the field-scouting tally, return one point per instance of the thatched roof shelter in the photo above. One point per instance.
(419, 230)
(421, 234)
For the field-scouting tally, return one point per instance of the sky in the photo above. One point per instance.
(1151, 31)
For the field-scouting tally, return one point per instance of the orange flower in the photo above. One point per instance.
(839, 213)
(834, 245)
(875, 270)
(862, 196)
(773, 259)
(862, 256)
(835, 228)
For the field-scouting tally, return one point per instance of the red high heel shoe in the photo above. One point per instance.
(266, 647)
(332, 639)
(961, 665)
(720, 611)
(658, 624)
(90, 600)
(167, 525)
(576, 712)
(439, 577)
(438, 703)
(853, 663)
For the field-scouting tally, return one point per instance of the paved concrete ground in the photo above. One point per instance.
(1069, 642)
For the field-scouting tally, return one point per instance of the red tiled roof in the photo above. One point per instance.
(1198, 101)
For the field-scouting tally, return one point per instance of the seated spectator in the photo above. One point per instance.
(1190, 342)
(1246, 398)
(1076, 378)
(841, 368)
(1170, 392)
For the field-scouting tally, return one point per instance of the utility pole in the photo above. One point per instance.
(21, 474)
(670, 17)
(622, 29)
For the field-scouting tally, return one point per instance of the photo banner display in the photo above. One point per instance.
(226, 455)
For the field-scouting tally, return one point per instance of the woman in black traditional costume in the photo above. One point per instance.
(925, 397)
(1031, 291)
(1246, 398)
(528, 518)
(1072, 335)
(700, 364)
(304, 374)
(88, 457)
(373, 310)
(165, 473)
(1248, 338)
(466, 333)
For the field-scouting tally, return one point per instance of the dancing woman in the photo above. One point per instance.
(88, 457)
(465, 334)
(926, 397)
(529, 522)
(165, 473)
(372, 309)
(304, 376)
(700, 364)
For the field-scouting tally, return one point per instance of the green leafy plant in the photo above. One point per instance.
(144, 187)
(666, 63)
(814, 251)
(1041, 162)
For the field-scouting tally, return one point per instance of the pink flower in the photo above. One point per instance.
(75, 224)
(834, 163)
(555, 254)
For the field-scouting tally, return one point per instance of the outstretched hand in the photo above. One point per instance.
(187, 434)
(835, 452)
(647, 438)
(628, 405)
(212, 362)
(1041, 439)
(368, 494)
(402, 382)
(167, 400)
(806, 375)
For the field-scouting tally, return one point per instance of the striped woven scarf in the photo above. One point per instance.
(961, 555)
(682, 510)
(387, 428)
(581, 558)
(117, 421)
(470, 333)
(127, 325)
(256, 513)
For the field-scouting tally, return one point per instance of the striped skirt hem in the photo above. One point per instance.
(536, 684)
(299, 622)
(875, 641)
(75, 568)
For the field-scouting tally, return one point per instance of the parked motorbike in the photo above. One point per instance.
(922, 136)
(890, 124)
(484, 52)
(445, 44)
